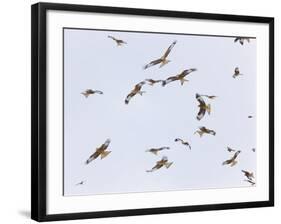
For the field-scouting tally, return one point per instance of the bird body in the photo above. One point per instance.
(135, 91)
(101, 151)
(156, 150)
(203, 130)
(248, 174)
(242, 40)
(89, 92)
(203, 107)
(179, 77)
(183, 142)
(161, 163)
(152, 81)
(232, 161)
(163, 60)
(118, 41)
(236, 73)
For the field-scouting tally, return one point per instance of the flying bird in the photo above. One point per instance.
(80, 183)
(230, 149)
(179, 77)
(163, 60)
(183, 142)
(242, 40)
(253, 149)
(203, 130)
(118, 41)
(152, 81)
(236, 72)
(161, 163)
(203, 107)
(248, 174)
(232, 161)
(136, 90)
(250, 181)
(250, 116)
(156, 150)
(101, 151)
(89, 92)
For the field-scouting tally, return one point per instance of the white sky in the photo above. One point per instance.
(91, 60)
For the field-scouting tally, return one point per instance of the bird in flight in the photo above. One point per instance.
(89, 92)
(253, 149)
(179, 77)
(236, 72)
(250, 116)
(242, 40)
(80, 183)
(183, 142)
(152, 81)
(210, 97)
(163, 60)
(250, 181)
(161, 163)
(118, 41)
(232, 161)
(135, 91)
(203, 130)
(203, 107)
(230, 149)
(156, 150)
(100, 151)
(248, 174)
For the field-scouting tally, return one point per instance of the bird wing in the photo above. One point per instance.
(169, 49)
(111, 37)
(98, 91)
(155, 62)
(236, 39)
(201, 114)
(93, 156)
(129, 97)
(200, 100)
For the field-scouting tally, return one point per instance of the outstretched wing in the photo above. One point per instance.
(152, 63)
(111, 37)
(129, 97)
(98, 91)
(92, 157)
(105, 144)
(202, 106)
(169, 49)
(236, 39)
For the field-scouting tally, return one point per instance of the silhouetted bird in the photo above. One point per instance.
(161, 163)
(203, 130)
(183, 142)
(156, 150)
(118, 41)
(136, 90)
(89, 92)
(232, 161)
(101, 151)
(179, 77)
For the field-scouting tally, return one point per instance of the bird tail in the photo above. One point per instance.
(104, 154)
(167, 165)
(141, 92)
(200, 133)
(233, 163)
(208, 108)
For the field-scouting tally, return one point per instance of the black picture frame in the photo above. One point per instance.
(39, 108)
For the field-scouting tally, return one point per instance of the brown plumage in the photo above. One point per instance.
(89, 92)
(203, 107)
(156, 150)
(135, 91)
(100, 151)
(179, 77)
(232, 161)
(248, 174)
(203, 130)
(163, 60)
(152, 81)
(118, 41)
(183, 142)
(161, 163)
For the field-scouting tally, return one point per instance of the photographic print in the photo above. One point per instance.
(150, 112)
(141, 111)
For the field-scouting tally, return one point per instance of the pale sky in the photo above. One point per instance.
(91, 60)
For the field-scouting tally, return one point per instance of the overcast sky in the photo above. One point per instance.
(91, 60)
